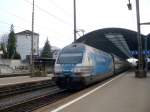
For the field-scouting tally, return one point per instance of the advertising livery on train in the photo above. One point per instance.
(79, 65)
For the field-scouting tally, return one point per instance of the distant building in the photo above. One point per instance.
(24, 43)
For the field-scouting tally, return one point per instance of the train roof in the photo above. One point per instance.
(74, 47)
(79, 47)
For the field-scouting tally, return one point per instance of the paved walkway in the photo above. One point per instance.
(125, 94)
(21, 79)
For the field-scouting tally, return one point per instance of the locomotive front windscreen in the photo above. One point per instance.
(70, 58)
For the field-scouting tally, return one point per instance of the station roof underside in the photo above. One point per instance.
(118, 41)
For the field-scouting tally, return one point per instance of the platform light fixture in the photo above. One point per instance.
(129, 5)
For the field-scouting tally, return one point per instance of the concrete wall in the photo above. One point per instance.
(12, 66)
(11, 63)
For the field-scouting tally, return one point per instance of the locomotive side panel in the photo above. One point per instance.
(79, 65)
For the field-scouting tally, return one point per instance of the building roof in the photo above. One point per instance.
(118, 41)
(26, 32)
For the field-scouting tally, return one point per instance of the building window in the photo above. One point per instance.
(27, 35)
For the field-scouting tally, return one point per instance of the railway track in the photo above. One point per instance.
(6, 91)
(26, 97)
(30, 101)
(16, 94)
(32, 98)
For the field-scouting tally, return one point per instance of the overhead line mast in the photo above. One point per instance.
(140, 72)
(74, 8)
(32, 64)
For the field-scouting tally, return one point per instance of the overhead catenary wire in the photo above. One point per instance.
(20, 27)
(23, 27)
(60, 8)
(10, 24)
(50, 14)
(22, 18)
(15, 15)
(26, 26)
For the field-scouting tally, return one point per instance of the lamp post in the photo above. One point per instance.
(129, 5)
(140, 72)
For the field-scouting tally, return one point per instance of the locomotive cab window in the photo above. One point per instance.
(70, 58)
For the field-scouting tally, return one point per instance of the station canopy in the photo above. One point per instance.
(118, 41)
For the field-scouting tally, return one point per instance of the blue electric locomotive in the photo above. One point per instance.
(79, 65)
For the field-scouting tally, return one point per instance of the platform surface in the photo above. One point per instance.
(21, 79)
(125, 94)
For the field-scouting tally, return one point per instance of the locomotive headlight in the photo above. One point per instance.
(77, 70)
(82, 69)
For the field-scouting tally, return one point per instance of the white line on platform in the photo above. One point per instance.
(90, 92)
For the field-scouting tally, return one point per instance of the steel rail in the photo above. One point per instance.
(21, 99)
(6, 91)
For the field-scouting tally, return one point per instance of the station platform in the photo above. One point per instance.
(21, 79)
(124, 93)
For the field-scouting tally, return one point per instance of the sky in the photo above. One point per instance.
(54, 18)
